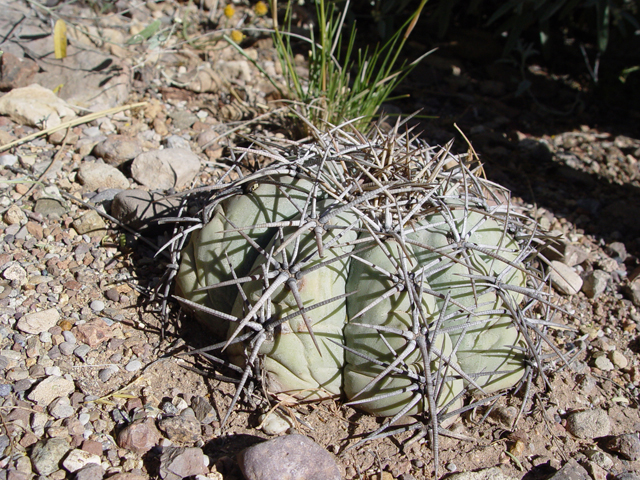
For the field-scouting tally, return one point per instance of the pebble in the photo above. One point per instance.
(50, 207)
(618, 359)
(203, 410)
(51, 388)
(632, 291)
(38, 322)
(93, 333)
(14, 216)
(35, 106)
(279, 457)
(5, 389)
(61, 408)
(274, 423)
(118, 149)
(165, 169)
(15, 273)
(595, 283)
(8, 160)
(177, 463)
(139, 437)
(589, 424)
(139, 209)
(95, 176)
(106, 373)
(133, 366)
(90, 472)
(493, 473)
(603, 363)
(572, 470)
(626, 445)
(565, 279)
(46, 455)
(66, 348)
(90, 223)
(182, 429)
(599, 458)
(77, 459)
(176, 141)
(97, 306)
(81, 351)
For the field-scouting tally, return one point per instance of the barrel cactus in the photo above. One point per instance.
(376, 268)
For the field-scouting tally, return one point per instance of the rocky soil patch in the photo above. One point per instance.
(91, 385)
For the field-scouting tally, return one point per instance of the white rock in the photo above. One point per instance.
(14, 215)
(275, 423)
(100, 175)
(565, 279)
(15, 273)
(165, 169)
(38, 322)
(51, 388)
(35, 106)
(618, 359)
(79, 458)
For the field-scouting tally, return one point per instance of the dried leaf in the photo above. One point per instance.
(60, 39)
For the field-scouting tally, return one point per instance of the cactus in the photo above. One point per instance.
(381, 269)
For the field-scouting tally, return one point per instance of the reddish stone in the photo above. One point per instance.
(16, 72)
(72, 285)
(139, 437)
(35, 229)
(93, 333)
(92, 446)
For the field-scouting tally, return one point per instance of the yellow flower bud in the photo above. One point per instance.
(229, 11)
(237, 36)
(260, 8)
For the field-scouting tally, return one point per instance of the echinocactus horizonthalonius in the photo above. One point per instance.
(378, 268)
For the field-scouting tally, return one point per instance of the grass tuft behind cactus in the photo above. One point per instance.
(377, 268)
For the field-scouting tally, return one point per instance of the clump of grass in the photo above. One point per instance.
(344, 83)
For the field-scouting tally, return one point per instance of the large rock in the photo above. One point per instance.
(565, 279)
(99, 175)
(35, 106)
(165, 169)
(118, 149)
(46, 455)
(139, 209)
(589, 424)
(38, 322)
(177, 463)
(290, 457)
(51, 388)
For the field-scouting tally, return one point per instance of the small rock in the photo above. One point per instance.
(50, 207)
(35, 106)
(97, 306)
(133, 366)
(66, 348)
(183, 119)
(628, 476)
(106, 373)
(99, 175)
(618, 359)
(15, 273)
(183, 429)
(599, 458)
(15, 215)
(118, 149)
(93, 333)
(8, 160)
(632, 291)
(61, 408)
(38, 322)
(595, 283)
(165, 169)
(46, 455)
(92, 446)
(139, 209)
(90, 472)
(617, 251)
(91, 223)
(274, 423)
(81, 351)
(572, 470)
(139, 437)
(16, 72)
(565, 279)
(589, 424)
(176, 141)
(203, 410)
(279, 457)
(603, 363)
(177, 463)
(626, 445)
(51, 388)
(493, 473)
(78, 459)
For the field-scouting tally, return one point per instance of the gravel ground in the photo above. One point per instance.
(88, 372)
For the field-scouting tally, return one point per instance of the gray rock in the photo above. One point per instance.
(97, 306)
(100, 175)
(617, 251)
(632, 291)
(106, 373)
(50, 207)
(628, 476)
(5, 389)
(589, 424)
(8, 160)
(183, 119)
(118, 149)
(183, 429)
(61, 408)
(565, 279)
(176, 141)
(279, 457)
(177, 463)
(165, 169)
(595, 283)
(51, 388)
(133, 366)
(203, 410)
(90, 472)
(627, 446)
(81, 351)
(572, 470)
(38, 322)
(493, 473)
(603, 363)
(67, 348)
(140, 210)
(46, 455)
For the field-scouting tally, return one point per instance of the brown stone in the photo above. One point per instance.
(140, 436)
(16, 72)
(93, 333)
